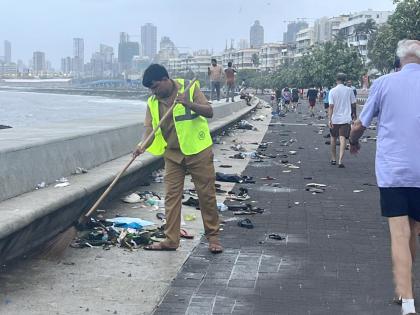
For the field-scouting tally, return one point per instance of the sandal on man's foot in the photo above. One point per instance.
(333, 162)
(160, 246)
(185, 234)
(215, 247)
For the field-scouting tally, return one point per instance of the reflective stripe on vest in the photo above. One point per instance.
(192, 130)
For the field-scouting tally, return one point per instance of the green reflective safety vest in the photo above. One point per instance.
(192, 129)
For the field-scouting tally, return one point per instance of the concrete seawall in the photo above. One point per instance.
(29, 217)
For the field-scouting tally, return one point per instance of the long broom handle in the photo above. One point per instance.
(144, 142)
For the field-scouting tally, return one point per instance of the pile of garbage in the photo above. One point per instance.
(125, 232)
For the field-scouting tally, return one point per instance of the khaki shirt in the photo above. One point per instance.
(216, 73)
(172, 151)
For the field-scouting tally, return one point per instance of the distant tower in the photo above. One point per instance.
(7, 52)
(126, 51)
(38, 62)
(78, 55)
(256, 35)
(292, 29)
(149, 40)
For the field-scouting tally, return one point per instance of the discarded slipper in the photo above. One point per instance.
(246, 223)
(276, 237)
(160, 216)
(191, 202)
(159, 246)
(237, 207)
(186, 235)
(243, 212)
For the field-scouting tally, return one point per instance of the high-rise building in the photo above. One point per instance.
(38, 62)
(292, 29)
(243, 44)
(7, 52)
(78, 55)
(66, 65)
(167, 49)
(126, 51)
(256, 35)
(149, 40)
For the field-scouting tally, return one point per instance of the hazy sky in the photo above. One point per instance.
(50, 25)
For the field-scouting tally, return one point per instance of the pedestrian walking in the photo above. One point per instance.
(185, 142)
(341, 99)
(325, 99)
(312, 95)
(215, 73)
(287, 97)
(295, 98)
(230, 82)
(394, 100)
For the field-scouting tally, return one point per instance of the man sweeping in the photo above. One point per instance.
(185, 142)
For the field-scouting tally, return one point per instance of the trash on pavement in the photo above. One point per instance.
(132, 198)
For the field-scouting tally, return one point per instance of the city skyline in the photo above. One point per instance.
(74, 19)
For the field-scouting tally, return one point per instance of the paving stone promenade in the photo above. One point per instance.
(335, 258)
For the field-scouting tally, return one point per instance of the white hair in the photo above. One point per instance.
(408, 48)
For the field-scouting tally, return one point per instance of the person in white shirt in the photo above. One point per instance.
(394, 100)
(341, 100)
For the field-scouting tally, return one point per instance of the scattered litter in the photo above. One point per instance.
(161, 216)
(258, 118)
(190, 217)
(132, 198)
(243, 124)
(158, 176)
(268, 178)
(128, 222)
(41, 185)
(234, 178)
(192, 202)
(286, 171)
(316, 185)
(238, 147)
(246, 223)
(357, 190)
(80, 170)
(221, 207)
(297, 202)
(60, 185)
(225, 166)
(278, 237)
(62, 182)
(230, 219)
(292, 152)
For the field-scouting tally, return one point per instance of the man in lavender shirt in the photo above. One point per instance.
(395, 100)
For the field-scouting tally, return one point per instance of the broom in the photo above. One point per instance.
(56, 247)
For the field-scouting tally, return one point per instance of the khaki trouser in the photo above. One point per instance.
(201, 168)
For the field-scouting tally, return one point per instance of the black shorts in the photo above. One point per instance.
(326, 105)
(400, 201)
(340, 130)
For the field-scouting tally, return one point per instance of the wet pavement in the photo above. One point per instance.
(335, 258)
